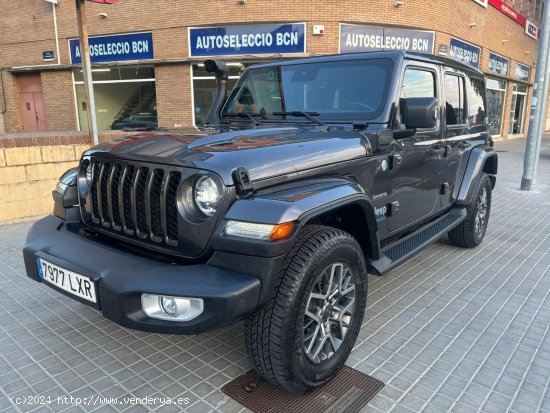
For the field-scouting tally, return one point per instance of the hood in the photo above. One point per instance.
(264, 152)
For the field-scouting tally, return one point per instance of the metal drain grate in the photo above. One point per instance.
(348, 392)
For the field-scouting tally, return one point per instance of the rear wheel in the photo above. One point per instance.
(305, 333)
(471, 231)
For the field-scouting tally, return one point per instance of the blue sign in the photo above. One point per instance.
(247, 39)
(118, 47)
(498, 64)
(361, 38)
(523, 72)
(465, 53)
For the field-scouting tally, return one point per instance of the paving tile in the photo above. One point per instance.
(451, 330)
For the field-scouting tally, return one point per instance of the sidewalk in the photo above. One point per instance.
(451, 330)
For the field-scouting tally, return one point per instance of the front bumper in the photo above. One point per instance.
(122, 276)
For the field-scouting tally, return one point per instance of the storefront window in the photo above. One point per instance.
(517, 112)
(204, 88)
(496, 98)
(125, 97)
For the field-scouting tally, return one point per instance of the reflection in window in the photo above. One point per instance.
(454, 100)
(477, 102)
(417, 83)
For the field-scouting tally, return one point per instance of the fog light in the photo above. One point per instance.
(165, 307)
(169, 305)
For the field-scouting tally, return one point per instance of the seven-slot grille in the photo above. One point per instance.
(135, 200)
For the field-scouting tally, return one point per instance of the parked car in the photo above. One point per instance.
(136, 121)
(311, 175)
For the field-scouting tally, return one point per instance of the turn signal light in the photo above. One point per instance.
(281, 231)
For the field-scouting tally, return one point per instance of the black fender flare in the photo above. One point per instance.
(481, 159)
(298, 202)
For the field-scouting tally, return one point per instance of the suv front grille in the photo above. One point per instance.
(135, 201)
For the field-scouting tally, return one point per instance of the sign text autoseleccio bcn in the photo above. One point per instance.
(116, 48)
(387, 42)
(247, 40)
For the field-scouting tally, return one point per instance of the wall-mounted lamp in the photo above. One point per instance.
(103, 15)
(241, 2)
(504, 41)
(528, 52)
(398, 4)
(472, 25)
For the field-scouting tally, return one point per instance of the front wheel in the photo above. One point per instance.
(302, 337)
(470, 232)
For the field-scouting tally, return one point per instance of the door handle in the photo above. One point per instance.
(438, 150)
(464, 145)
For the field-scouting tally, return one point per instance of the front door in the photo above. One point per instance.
(32, 102)
(416, 159)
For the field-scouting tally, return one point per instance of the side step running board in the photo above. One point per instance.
(402, 250)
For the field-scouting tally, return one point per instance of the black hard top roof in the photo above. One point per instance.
(394, 55)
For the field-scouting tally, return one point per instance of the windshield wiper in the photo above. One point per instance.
(249, 115)
(308, 115)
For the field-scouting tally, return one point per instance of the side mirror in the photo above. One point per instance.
(421, 113)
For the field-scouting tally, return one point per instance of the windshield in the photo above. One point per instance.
(338, 91)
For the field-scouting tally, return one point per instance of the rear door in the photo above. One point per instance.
(456, 137)
(416, 158)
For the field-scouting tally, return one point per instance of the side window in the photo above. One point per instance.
(417, 83)
(455, 100)
(477, 111)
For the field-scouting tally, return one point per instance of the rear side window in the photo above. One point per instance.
(477, 112)
(455, 100)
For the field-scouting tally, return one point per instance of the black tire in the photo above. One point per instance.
(274, 336)
(469, 233)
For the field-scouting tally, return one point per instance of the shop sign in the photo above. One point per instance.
(509, 11)
(531, 30)
(482, 2)
(118, 47)
(498, 64)
(523, 72)
(362, 38)
(465, 52)
(47, 55)
(247, 39)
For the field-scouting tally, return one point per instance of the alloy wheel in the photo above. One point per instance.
(329, 312)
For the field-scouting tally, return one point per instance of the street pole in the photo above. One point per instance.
(87, 70)
(538, 105)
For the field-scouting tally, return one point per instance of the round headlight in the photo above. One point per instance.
(89, 174)
(207, 195)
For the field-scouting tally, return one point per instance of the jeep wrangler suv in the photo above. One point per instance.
(312, 174)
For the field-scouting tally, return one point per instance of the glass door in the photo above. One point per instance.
(517, 111)
(496, 97)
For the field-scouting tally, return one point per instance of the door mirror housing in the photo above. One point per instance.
(421, 113)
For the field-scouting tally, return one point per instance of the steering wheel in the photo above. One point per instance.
(359, 105)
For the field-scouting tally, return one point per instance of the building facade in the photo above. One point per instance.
(147, 56)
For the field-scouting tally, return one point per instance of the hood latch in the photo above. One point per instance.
(242, 181)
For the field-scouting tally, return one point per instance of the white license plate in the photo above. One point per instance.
(72, 282)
